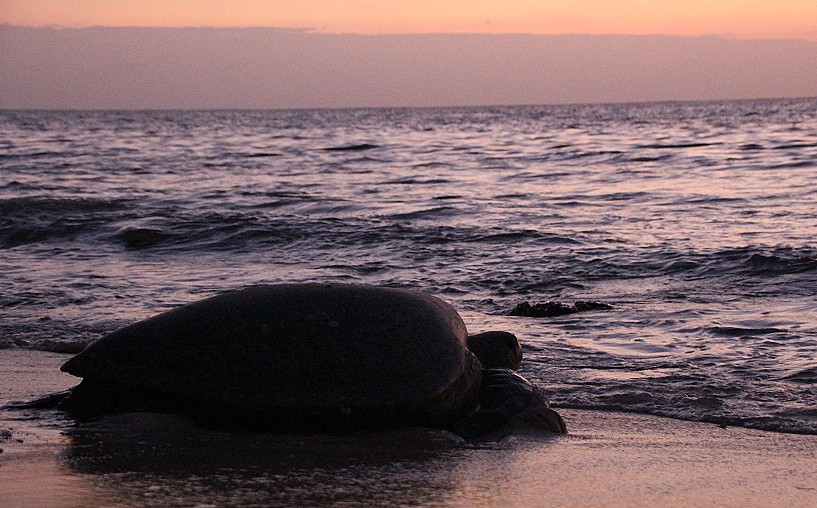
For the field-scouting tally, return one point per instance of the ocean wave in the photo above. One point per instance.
(646, 158)
(432, 165)
(784, 261)
(239, 231)
(683, 398)
(589, 153)
(795, 146)
(50, 345)
(412, 180)
(352, 148)
(40, 154)
(792, 165)
(738, 331)
(38, 205)
(523, 235)
(262, 155)
(140, 238)
(425, 214)
(692, 144)
(804, 376)
(732, 262)
(38, 219)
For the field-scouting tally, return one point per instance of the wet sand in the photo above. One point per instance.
(607, 459)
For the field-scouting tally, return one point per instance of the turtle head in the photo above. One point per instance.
(496, 349)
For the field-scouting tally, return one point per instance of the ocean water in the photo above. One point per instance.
(694, 221)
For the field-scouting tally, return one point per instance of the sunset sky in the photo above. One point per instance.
(115, 54)
(737, 18)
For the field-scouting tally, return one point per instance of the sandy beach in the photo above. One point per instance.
(607, 459)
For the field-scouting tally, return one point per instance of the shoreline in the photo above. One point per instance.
(607, 459)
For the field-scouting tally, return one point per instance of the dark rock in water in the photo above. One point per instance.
(496, 349)
(555, 309)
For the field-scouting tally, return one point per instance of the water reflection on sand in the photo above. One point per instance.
(139, 457)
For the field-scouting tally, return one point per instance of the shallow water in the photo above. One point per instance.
(695, 221)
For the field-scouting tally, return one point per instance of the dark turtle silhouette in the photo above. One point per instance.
(310, 355)
(496, 349)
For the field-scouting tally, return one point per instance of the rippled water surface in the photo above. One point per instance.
(695, 221)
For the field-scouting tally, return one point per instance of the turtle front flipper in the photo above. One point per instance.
(508, 400)
(543, 417)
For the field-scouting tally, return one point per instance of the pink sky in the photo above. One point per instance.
(157, 68)
(347, 53)
(738, 18)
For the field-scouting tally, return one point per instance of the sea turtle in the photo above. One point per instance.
(315, 355)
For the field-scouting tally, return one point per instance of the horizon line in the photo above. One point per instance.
(314, 31)
(461, 106)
